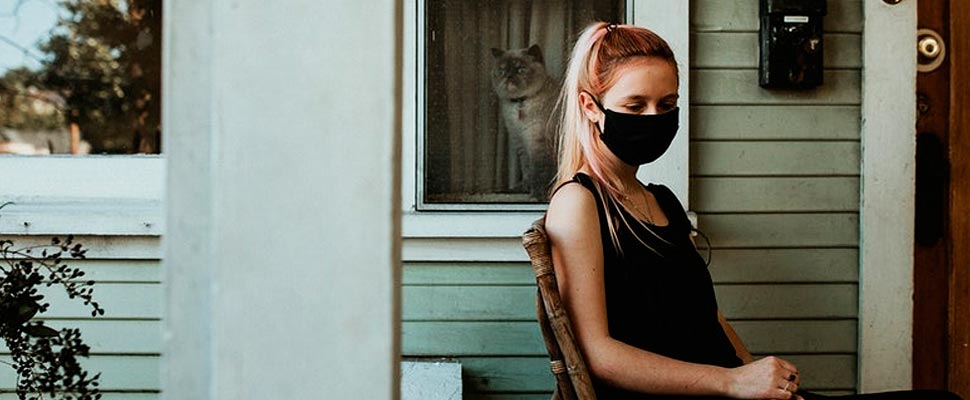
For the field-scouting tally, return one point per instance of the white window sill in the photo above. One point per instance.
(93, 216)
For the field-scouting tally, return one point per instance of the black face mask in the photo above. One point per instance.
(638, 139)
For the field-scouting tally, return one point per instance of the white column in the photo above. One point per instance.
(282, 256)
(888, 192)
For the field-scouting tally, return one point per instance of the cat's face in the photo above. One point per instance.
(517, 73)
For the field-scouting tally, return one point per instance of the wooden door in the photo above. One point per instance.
(941, 356)
(959, 315)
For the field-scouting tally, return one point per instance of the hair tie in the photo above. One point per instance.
(611, 27)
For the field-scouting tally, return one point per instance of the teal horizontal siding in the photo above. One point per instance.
(126, 343)
(774, 178)
(775, 181)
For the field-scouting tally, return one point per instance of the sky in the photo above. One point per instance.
(32, 22)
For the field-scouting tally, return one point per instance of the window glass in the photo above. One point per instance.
(492, 73)
(80, 76)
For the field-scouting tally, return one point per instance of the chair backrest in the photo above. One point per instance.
(566, 361)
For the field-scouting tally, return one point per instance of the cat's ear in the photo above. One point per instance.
(536, 52)
(497, 54)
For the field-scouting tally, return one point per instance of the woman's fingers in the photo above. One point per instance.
(790, 378)
(789, 386)
(792, 371)
(768, 378)
(782, 394)
(789, 366)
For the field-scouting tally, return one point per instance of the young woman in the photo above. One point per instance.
(640, 297)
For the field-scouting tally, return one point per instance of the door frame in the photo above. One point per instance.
(958, 354)
(887, 197)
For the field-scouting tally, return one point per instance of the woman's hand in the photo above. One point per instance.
(767, 378)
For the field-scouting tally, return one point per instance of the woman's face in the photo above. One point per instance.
(645, 85)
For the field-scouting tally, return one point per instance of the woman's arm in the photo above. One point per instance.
(573, 227)
(739, 348)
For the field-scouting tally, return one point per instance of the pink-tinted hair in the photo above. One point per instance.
(600, 51)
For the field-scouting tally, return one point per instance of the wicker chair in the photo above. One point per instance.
(566, 361)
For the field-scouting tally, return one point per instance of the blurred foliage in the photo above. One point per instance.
(104, 60)
(19, 100)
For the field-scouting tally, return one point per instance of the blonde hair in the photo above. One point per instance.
(593, 68)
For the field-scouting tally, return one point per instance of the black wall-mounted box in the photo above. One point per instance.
(791, 43)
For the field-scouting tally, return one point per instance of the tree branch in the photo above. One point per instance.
(15, 13)
(17, 46)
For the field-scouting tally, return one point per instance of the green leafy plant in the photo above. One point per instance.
(45, 359)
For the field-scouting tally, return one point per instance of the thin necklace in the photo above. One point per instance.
(636, 206)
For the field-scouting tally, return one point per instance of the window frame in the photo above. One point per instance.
(420, 75)
(82, 195)
(421, 219)
(418, 33)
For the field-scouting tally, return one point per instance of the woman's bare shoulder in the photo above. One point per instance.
(572, 213)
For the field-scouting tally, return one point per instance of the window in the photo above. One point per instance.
(489, 74)
(80, 84)
(80, 76)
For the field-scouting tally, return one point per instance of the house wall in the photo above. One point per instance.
(112, 205)
(126, 341)
(774, 177)
(775, 181)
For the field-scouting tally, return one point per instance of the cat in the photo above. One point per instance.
(527, 96)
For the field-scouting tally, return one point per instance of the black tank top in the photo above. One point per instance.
(659, 300)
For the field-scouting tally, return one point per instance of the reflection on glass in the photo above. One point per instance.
(80, 76)
(492, 74)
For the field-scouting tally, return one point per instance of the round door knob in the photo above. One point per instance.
(931, 50)
(929, 47)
